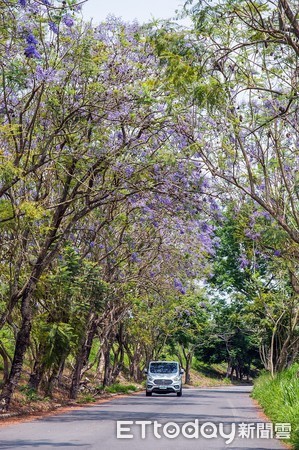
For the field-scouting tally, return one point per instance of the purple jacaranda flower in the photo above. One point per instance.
(46, 2)
(50, 75)
(34, 8)
(178, 285)
(53, 27)
(156, 169)
(165, 200)
(68, 21)
(135, 258)
(31, 39)
(277, 253)
(205, 183)
(205, 227)
(22, 3)
(268, 104)
(129, 171)
(31, 52)
(41, 74)
(252, 235)
(214, 206)
(243, 262)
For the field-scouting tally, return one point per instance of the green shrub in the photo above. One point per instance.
(30, 393)
(120, 388)
(88, 398)
(279, 397)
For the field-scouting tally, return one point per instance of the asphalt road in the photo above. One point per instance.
(96, 427)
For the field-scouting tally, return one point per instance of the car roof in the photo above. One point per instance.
(163, 361)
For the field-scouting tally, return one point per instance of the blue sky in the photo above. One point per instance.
(142, 10)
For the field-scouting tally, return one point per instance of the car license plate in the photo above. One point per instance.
(162, 387)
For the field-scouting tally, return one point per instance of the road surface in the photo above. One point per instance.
(201, 419)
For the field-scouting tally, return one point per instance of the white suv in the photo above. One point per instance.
(164, 377)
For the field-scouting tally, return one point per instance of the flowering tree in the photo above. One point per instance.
(89, 142)
(241, 66)
(245, 126)
(250, 140)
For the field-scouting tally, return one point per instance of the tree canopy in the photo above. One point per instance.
(148, 190)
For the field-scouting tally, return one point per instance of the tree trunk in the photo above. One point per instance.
(188, 367)
(119, 354)
(229, 368)
(60, 372)
(83, 355)
(51, 383)
(38, 370)
(101, 364)
(107, 366)
(22, 344)
(135, 372)
(36, 375)
(116, 367)
(6, 362)
(53, 380)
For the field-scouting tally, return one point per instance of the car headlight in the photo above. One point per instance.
(150, 379)
(176, 378)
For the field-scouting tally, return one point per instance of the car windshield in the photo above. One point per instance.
(163, 367)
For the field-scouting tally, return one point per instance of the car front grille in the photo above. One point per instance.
(163, 382)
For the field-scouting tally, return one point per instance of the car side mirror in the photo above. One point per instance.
(182, 372)
(145, 371)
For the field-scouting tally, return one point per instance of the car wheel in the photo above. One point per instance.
(148, 394)
(179, 394)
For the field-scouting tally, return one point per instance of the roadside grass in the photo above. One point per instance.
(279, 398)
(87, 398)
(118, 388)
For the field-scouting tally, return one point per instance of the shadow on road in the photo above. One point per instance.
(20, 443)
(92, 415)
